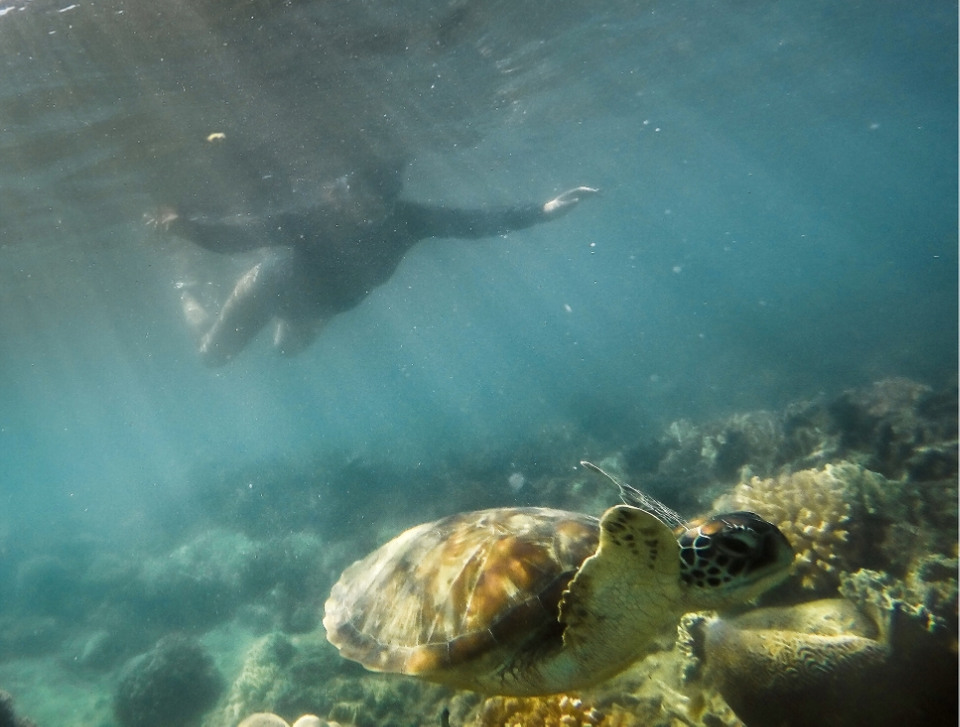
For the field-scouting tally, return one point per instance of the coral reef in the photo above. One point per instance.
(901, 427)
(773, 676)
(895, 427)
(8, 716)
(928, 597)
(264, 719)
(843, 517)
(201, 580)
(917, 616)
(823, 513)
(825, 663)
(251, 690)
(864, 484)
(267, 719)
(384, 701)
(174, 683)
(606, 708)
(553, 711)
(292, 676)
(311, 720)
(802, 469)
(657, 692)
(208, 578)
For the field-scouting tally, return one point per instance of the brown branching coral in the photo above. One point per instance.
(554, 711)
(659, 706)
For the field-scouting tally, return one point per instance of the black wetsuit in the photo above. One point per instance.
(316, 264)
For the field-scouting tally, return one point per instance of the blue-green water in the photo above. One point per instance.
(778, 219)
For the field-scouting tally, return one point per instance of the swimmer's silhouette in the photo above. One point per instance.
(325, 260)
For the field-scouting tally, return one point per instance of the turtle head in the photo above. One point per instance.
(731, 558)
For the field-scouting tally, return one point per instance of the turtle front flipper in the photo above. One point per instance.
(623, 595)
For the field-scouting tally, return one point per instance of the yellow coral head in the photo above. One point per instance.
(731, 558)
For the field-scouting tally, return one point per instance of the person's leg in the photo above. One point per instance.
(250, 306)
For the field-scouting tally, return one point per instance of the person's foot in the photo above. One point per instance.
(197, 317)
(564, 202)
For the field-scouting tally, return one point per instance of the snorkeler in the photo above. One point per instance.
(326, 259)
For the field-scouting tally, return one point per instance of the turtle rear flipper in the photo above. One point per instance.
(628, 590)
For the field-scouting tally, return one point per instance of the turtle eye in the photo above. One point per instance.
(738, 543)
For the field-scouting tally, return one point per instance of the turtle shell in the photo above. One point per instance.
(468, 587)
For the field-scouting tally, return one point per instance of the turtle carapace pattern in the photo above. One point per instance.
(531, 601)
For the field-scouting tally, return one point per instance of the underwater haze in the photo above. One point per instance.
(777, 220)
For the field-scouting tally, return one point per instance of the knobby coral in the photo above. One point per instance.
(824, 513)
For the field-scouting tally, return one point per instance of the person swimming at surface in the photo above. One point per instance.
(326, 259)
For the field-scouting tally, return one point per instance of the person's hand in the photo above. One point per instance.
(161, 218)
(564, 202)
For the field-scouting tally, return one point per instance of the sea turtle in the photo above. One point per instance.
(531, 601)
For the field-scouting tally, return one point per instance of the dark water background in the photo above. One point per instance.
(779, 218)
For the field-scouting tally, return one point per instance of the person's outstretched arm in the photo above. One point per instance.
(431, 221)
(226, 235)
